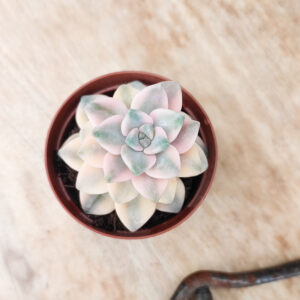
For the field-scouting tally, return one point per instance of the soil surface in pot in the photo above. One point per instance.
(111, 222)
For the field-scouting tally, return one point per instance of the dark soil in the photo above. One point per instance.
(111, 222)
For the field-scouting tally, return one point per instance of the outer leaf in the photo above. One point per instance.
(102, 107)
(135, 213)
(169, 193)
(132, 140)
(174, 93)
(159, 143)
(200, 142)
(91, 152)
(187, 135)
(126, 92)
(68, 152)
(176, 205)
(91, 180)
(85, 131)
(167, 164)
(150, 98)
(109, 134)
(134, 119)
(150, 188)
(122, 192)
(80, 116)
(193, 162)
(170, 121)
(137, 162)
(114, 169)
(96, 204)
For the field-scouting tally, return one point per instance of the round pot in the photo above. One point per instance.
(107, 84)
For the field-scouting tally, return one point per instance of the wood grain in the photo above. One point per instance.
(240, 59)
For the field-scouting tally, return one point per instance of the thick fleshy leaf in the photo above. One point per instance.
(148, 130)
(68, 152)
(176, 205)
(137, 162)
(126, 92)
(96, 204)
(91, 180)
(114, 169)
(91, 152)
(103, 107)
(135, 213)
(193, 162)
(159, 143)
(132, 140)
(134, 119)
(200, 142)
(169, 193)
(150, 188)
(150, 98)
(80, 116)
(187, 135)
(167, 164)
(170, 121)
(85, 131)
(122, 192)
(174, 94)
(109, 134)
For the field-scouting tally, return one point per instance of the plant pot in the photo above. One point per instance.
(63, 125)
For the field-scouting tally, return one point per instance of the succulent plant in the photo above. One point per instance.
(131, 150)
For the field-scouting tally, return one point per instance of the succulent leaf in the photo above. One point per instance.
(109, 134)
(167, 164)
(126, 92)
(134, 119)
(176, 205)
(80, 116)
(96, 204)
(91, 152)
(174, 94)
(68, 152)
(132, 140)
(122, 192)
(200, 142)
(150, 98)
(170, 121)
(148, 130)
(168, 195)
(137, 162)
(102, 107)
(193, 162)
(187, 135)
(148, 187)
(135, 213)
(159, 143)
(115, 169)
(91, 180)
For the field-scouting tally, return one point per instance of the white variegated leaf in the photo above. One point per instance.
(176, 205)
(68, 152)
(193, 162)
(96, 204)
(91, 180)
(135, 213)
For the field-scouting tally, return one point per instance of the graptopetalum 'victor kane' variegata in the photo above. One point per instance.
(131, 150)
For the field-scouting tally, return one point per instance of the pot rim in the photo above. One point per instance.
(212, 167)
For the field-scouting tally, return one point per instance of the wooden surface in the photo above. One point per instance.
(240, 59)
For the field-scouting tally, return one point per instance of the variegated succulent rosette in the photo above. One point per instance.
(131, 150)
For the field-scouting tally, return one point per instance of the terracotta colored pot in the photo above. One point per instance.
(104, 84)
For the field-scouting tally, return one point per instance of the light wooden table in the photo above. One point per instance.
(241, 59)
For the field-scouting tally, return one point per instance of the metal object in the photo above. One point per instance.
(196, 286)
